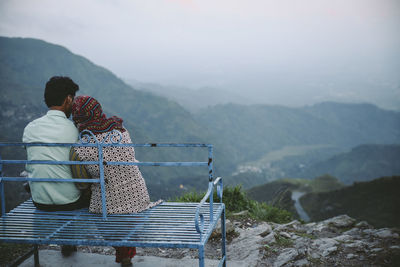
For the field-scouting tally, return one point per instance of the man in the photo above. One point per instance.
(54, 127)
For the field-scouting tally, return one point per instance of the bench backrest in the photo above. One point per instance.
(115, 136)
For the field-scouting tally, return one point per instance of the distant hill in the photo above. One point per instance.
(250, 133)
(278, 193)
(376, 202)
(269, 192)
(362, 163)
(26, 65)
(191, 99)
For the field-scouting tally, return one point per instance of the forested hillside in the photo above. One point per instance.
(279, 193)
(362, 163)
(375, 202)
(27, 64)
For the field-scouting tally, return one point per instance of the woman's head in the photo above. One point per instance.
(87, 114)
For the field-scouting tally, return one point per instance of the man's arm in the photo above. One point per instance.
(78, 170)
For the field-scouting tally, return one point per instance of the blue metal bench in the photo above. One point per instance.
(168, 225)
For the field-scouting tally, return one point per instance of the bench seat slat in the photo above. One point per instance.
(167, 223)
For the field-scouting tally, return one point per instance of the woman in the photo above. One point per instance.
(126, 190)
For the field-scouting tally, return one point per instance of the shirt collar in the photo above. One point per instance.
(57, 113)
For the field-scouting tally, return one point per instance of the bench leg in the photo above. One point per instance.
(201, 256)
(36, 255)
(223, 233)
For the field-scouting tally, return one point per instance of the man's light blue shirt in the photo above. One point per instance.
(54, 127)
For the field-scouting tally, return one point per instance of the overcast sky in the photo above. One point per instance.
(275, 49)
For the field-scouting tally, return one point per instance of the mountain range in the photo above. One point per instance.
(362, 163)
(245, 137)
(255, 138)
(191, 99)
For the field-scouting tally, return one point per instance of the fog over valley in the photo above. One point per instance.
(274, 52)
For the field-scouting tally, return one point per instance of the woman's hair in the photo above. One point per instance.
(57, 89)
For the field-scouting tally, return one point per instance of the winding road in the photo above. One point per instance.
(296, 195)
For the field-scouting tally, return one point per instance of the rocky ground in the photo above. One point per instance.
(339, 241)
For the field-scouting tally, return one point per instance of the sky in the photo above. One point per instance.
(289, 52)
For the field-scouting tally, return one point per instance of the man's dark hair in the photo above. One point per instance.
(57, 89)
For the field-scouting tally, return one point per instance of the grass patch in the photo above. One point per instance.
(270, 248)
(236, 200)
(283, 241)
(305, 235)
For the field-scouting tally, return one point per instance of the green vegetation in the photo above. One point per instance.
(279, 193)
(270, 249)
(283, 241)
(305, 235)
(375, 202)
(236, 200)
(322, 183)
(287, 151)
(362, 163)
(249, 133)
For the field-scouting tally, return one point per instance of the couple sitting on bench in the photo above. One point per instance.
(126, 190)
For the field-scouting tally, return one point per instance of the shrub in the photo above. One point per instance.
(236, 200)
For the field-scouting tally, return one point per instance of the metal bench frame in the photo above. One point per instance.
(168, 225)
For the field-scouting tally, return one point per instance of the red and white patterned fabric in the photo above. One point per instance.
(87, 114)
(126, 190)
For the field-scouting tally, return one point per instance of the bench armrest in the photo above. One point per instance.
(199, 216)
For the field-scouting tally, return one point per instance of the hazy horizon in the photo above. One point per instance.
(287, 52)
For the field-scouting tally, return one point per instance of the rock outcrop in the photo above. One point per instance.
(339, 241)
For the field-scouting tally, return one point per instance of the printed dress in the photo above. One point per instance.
(126, 190)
